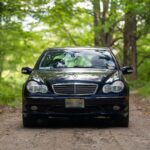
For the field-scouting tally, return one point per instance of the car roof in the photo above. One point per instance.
(78, 48)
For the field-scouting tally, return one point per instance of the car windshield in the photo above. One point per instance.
(101, 59)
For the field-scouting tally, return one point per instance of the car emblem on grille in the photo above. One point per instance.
(73, 76)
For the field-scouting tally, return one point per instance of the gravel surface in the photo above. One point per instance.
(93, 134)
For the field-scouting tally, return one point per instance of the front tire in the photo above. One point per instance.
(29, 122)
(122, 121)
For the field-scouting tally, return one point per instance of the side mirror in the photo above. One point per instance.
(26, 70)
(127, 70)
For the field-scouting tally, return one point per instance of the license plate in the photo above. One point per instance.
(74, 103)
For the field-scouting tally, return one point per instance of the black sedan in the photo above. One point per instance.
(76, 82)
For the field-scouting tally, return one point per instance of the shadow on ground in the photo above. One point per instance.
(76, 123)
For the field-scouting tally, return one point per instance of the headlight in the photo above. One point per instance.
(116, 87)
(107, 88)
(34, 87)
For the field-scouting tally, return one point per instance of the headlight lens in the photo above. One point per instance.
(107, 88)
(34, 87)
(116, 87)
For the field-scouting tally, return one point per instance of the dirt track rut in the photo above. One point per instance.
(77, 134)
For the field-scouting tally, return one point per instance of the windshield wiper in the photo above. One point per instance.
(82, 67)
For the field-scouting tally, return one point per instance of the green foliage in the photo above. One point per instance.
(145, 90)
(27, 27)
(10, 93)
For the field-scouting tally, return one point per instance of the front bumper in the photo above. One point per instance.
(94, 106)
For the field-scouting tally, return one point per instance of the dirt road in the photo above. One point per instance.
(78, 134)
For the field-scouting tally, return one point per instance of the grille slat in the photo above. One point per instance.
(75, 88)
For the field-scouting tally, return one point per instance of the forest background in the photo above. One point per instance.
(27, 27)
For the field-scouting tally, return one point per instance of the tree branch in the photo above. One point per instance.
(68, 33)
(70, 36)
(142, 61)
(115, 40)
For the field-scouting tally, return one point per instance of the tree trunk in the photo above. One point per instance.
(130, 50)
(96, 9)
(105, 36)
(101, 15)
(1, 51)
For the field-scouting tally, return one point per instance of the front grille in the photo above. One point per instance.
(75, 88)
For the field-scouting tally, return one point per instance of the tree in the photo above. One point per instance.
(29, 26)
(136, 26)
(130, 38)
(106, 18)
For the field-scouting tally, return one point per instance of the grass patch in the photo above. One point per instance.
(145, 90)
(10, 94)
(142, 87)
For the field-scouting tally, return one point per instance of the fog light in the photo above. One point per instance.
(116, 107)
(34, 108)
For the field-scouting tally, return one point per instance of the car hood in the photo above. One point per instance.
(66, 75)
